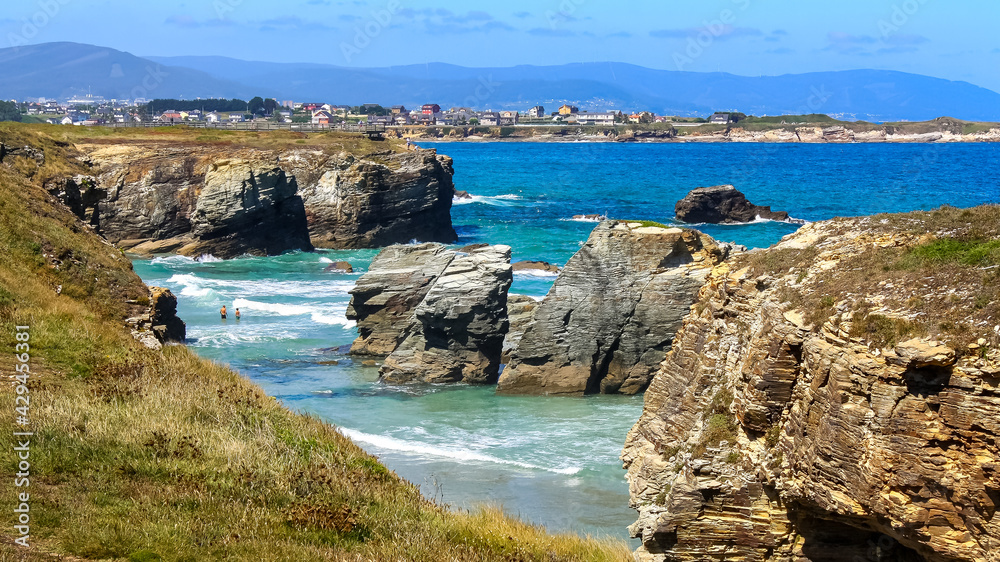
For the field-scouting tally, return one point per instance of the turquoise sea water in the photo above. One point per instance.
(554, 461)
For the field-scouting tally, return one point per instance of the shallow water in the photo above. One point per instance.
(553, 461)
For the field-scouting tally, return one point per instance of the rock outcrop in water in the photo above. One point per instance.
(458, 329)
(722, 204)
(384, 299)
(610, 317)
(192, 199)
(834, 398)
(439, 314)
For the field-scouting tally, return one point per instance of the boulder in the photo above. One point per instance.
(610, 316)
(384, 299)
(163, 316)
(722, 204)
(462, 195)
(460, 324)
(535, 266)
(339, 267)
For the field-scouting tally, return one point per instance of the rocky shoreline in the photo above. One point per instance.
(816, 405)
(942, 130)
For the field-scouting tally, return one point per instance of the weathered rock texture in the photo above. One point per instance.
(814, 408)
(459, 327)
(384, 299)
(378, 200)
(610, 317)
(520, 313)
(191, 199)
(722, 204)
(160, 324)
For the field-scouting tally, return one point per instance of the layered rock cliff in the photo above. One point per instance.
(440, 315)
(459, 327)
(611, 315)
(836, 397)
(227, 200)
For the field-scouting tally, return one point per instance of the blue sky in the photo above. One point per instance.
(953, 40)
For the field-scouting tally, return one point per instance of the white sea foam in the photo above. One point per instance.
(334, 317)
(207, 258)
(265, 287)
(462, 455)
(538, 273)
(168, 260)
(499, 200)
(325, 260)
(574, 219)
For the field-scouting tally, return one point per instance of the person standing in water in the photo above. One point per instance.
(223, 312)
(237, 314)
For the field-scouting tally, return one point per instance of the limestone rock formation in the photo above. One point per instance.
(610, 317)
(460, 325)
(722, 204)
(193, 199)
(339, 267)
(817, 406)
(384, 299)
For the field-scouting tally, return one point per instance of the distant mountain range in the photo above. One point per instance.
(62, 70)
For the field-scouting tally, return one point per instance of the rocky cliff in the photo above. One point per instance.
(611, 315)
(833, 398)
(227, 200)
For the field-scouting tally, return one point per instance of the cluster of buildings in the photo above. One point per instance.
(96, 111)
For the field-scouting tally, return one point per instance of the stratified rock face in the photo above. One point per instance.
(228, 201)
(721, 204)
(824, 430)
(611, 315)
(384, 300)
(198, 200)
(460, 324)
(520, 313)
(366, 204)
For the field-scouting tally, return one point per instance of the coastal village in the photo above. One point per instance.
(87, 111)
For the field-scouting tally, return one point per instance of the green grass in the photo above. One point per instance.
(147, 455)
(644, 223)
(979, 253)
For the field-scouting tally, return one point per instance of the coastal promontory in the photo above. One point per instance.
(240, 193)
(834, 397)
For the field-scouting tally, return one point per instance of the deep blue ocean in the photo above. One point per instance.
(553, 461)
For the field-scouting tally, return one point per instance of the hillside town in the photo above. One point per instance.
(140, 112)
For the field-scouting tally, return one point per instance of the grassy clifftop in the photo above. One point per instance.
(149, 455)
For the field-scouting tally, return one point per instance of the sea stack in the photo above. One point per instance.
(440, 315)
(722, 204)
(611, 315)
(460, 325)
